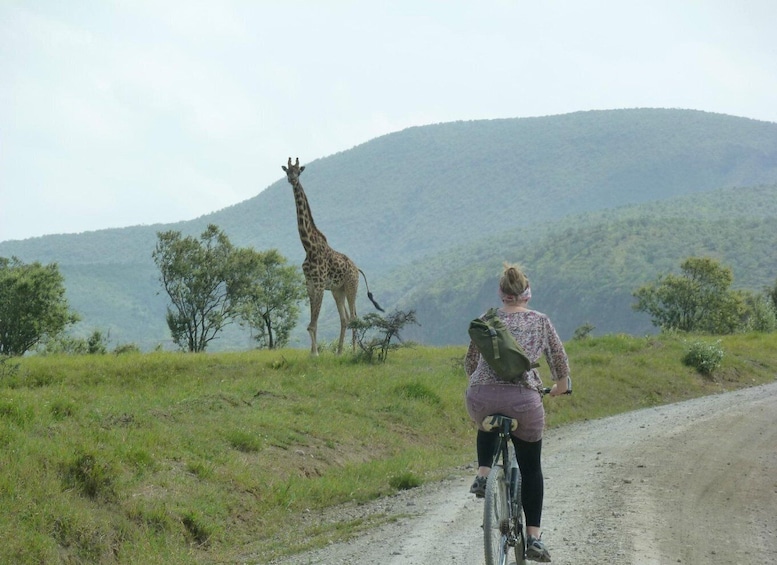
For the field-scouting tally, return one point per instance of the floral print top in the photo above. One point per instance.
(536, 334)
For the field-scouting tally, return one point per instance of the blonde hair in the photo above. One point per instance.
(513, 281)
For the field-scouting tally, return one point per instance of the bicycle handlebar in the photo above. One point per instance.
(546, 390)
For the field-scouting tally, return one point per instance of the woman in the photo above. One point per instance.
(487, 394)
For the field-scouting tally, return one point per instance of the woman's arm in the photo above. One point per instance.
(471, 359)
(556, 355)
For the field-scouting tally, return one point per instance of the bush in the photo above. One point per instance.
(91, 476)
(95, 344)
(584, 331)
(761, 315)
(704, 357)
(404, 481)
(126, 348)
(374, 333)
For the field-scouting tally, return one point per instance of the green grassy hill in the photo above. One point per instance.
(167, 458)
(403, 201)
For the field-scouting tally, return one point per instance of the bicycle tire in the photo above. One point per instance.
(496, 518)
(519, 524)
(520, 531)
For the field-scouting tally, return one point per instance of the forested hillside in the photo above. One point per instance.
(585, 268)
(430, 212)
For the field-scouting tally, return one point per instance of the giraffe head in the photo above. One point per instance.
(293, 171)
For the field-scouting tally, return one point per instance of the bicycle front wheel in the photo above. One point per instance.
(496, 518)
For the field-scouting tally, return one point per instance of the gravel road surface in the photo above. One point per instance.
(693, 482)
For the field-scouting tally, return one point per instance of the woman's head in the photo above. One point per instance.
(514, 285)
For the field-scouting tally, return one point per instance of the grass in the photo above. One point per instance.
(174, 458)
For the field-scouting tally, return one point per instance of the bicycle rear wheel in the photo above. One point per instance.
(519, 520)
(520, 543)
(496, 518)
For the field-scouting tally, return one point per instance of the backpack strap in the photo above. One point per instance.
(490, 315)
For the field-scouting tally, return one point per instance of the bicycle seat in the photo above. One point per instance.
(493, 423)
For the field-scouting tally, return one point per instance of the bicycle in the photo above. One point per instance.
(503, 520)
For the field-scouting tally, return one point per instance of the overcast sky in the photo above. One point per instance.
(119, 113)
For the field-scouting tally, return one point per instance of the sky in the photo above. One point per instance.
(119, 113)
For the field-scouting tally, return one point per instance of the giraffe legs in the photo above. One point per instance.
(315, 295)
(344, 286)
(351, 296)
(339, 297)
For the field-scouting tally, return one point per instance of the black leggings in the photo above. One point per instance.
(528, 455)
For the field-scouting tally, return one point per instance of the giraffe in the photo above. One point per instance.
(323, 267)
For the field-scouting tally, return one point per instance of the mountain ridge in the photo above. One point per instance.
(413, 195)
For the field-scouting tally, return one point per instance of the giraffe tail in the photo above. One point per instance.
(369, 294)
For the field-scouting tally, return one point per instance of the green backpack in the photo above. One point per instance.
(499, 348)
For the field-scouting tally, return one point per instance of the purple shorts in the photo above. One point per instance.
(521, 403)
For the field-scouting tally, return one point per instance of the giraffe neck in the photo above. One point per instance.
(309, 235)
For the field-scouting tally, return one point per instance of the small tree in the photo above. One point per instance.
(270, 306)
(584, 331)
(698, 300)
(374, 333)
(32, 305)
(66, 344)
(204, 280)
(759, 313)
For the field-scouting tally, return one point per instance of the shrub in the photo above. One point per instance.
(244, 441)
(95, 344)
(584, 331)
(761, 315)
(197, 529)
(62, 408)
(404, 481)
(704, 357)
(126, 348)
(90, 476)
(374, 333)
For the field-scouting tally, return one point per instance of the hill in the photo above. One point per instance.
(401, 201)
(585, 268)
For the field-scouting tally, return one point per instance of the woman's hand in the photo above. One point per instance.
(560, 387)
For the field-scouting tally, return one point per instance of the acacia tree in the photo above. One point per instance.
(698, 300)
(32, 305)
(270, 303)
(205, 281)
(374, 333)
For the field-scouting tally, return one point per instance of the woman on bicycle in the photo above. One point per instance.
(488, 394)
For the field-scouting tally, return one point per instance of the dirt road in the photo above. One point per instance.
(693, 483)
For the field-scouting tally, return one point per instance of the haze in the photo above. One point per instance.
(116, 114)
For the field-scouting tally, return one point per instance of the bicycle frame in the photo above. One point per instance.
(503, 524)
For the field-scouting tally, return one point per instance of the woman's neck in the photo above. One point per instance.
(511, 307)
